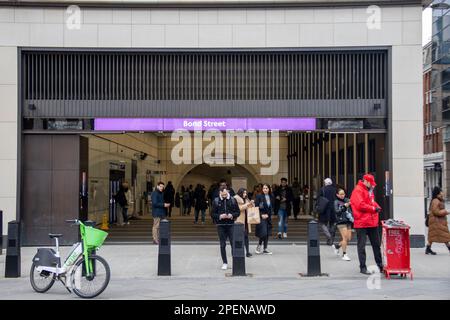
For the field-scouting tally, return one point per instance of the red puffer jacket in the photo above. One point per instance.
(364, 207)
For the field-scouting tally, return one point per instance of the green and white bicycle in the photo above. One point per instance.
(83, 272)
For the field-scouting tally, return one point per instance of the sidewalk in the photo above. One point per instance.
(196, 275)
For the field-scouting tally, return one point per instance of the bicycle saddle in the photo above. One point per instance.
(55, 235)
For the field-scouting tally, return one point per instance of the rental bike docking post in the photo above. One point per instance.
(12, 262)
(164, 249)
(313, 249)
(238, 251)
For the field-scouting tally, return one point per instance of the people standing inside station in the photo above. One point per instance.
(201, 203)
(327, 218)
(283, 199)
(225, 211)
(123, 198)
(169, 197)
(296, 190)
(244, 203)
(344, 222)
(305, 200)
(159, 210)
(366, 215)
(437, 221)
(264, 202)
(186, 201)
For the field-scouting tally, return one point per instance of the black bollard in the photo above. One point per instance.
(12, 263)
(1, 232)
(313, 249)
(238, 250)
(164, 249)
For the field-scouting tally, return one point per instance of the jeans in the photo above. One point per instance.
(203, 214)
(225, 231)
(374, 238)
(282, 220)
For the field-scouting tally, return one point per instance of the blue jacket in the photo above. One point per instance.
(158, 210)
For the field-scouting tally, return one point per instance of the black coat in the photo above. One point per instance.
(227, 205)
(340, 210)
(328, 215)
(169, 194)
(200, 199)
(265, 227)
(120, 197)
(289, 198)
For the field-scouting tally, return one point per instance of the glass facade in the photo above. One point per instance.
(440, 76)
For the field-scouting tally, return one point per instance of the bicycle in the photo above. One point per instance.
(82, 269)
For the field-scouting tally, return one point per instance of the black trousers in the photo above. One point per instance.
(246, 241)
(374, 238)
(264, 240)
(296, 206)
(225, 232)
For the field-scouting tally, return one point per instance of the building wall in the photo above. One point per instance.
(197, 28)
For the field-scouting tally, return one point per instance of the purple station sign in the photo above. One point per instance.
(191, 124)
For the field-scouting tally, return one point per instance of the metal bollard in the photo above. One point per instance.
(164, 249)
(12, 263)
(238, 250)
(313, 249)
(1, 232)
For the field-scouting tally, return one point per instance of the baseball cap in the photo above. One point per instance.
(369, 178)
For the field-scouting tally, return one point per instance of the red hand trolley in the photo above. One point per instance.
(396, 249)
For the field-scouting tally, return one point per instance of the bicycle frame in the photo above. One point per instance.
(79, 250)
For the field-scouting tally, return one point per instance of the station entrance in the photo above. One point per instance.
(328, 108)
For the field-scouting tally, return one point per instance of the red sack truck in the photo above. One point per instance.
(396, 249)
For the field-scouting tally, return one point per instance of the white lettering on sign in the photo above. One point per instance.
(204, 124)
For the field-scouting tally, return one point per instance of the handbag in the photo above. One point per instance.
(321, 205)
(253, 216)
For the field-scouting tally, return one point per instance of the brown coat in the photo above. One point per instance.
(437, 224)
(243, 205)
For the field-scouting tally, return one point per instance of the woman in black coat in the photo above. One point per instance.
(265, 203)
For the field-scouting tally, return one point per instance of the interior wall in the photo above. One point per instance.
(118, 148)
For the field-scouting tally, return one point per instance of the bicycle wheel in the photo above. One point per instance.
(92, 286)
(41, 281)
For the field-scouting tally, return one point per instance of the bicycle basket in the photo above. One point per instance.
(94, 238)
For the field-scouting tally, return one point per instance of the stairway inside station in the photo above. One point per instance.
(183, 230)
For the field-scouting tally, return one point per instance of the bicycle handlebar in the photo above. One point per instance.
(74, 221)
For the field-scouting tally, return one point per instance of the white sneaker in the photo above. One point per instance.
(224, 266)
(258, 249)
(267, 252)
(336, 250)
(284, 235)
(345, 257)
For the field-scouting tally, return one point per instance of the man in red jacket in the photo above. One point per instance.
(366, 214)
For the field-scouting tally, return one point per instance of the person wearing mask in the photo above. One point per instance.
(296, 198)
(264, 202)
(244, 203)
(123, 198)
(327, 217)
(169, 197)
(200, 203)
(225, 212)
(283, 200)
(437, 221)
(158, 210)
(366, 220)
(344, 221)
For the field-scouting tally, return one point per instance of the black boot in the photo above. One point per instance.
(429, 251)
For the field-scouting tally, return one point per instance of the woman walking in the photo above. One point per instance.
(244, 203)
(265, 203)
(344, 221)
(437, 222)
